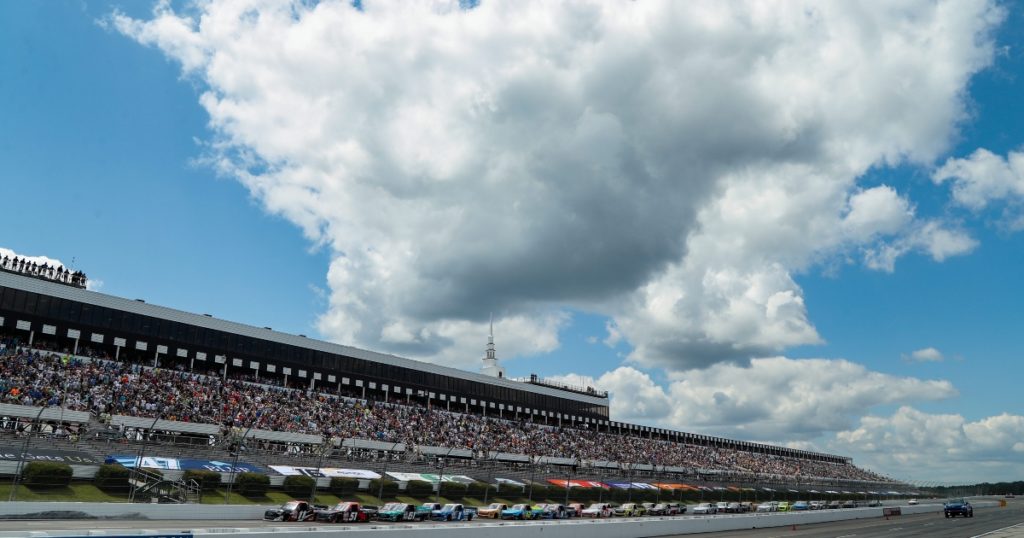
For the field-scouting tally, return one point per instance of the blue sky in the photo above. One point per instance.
(173, 167)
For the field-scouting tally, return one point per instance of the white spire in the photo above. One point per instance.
(490, 366)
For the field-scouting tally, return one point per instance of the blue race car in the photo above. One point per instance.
(518, 511)
(453, 512)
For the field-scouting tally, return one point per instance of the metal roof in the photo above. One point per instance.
(62, 291)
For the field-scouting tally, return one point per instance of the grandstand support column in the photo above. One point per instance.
(384, 473)
(76, 347)
(138, 462)
(21, 458)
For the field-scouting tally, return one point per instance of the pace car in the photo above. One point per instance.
(958, 507)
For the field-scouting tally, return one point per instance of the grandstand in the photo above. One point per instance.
(99, 375)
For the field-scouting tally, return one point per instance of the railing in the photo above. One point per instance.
(589, 391)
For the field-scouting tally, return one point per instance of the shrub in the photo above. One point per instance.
(252, 484)
(298, 486)
(540, 492)
(477, 489)
(207, 480)
(343, 486)
(46, 474)
(453, 490)
(555, 493)
(113, 477)
(418, 488)
(390, 488)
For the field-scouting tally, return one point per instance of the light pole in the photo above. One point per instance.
(533, 472)
(21, 458)
(568, 480)
(323, 450)
(384, 474)
(440, 477)
(138, 462)
(238, 452)
(490, 476)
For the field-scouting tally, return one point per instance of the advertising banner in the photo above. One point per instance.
(176, 464)
(509, 482)
(577, 483)
(633, 485)
(70, 457)
(673, 486)
(433, 478)
(330, 472)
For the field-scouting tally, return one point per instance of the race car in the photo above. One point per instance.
(343, 512)
(400, 512)
(705, 508)
(575, 509)
(426, 510)
(627, 510)
(660, 509)
(492, 511)
(597, 510)
(453, 512)
(550, 511)
(292, 511)
(517, 511)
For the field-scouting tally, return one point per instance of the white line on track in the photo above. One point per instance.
(1017, 526)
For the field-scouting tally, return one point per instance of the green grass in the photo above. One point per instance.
(74, 493)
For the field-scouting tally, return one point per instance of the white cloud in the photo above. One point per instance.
(928, 354)
(614, 334)
(911, 444)
(983, 178)
(666, 164)
(772, 398)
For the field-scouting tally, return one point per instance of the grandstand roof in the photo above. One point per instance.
(201, 320)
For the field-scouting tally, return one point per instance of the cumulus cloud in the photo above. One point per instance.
(984, 178)
(928, 354)
(911, 443)
(669, 165)
(772, 398)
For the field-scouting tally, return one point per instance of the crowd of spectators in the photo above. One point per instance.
(56, 273)
(105, 387)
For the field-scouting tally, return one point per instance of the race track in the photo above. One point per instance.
(926, 525)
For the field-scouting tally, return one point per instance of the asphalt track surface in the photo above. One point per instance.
(1005, 522)
(932, 525)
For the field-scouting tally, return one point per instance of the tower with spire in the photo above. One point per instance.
(490, 366)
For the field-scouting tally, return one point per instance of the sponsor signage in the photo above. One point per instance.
(509, 482)
(174, 535)
(632, 485)
(331, 472)
(71, 457)
(577, 483)
(176, 464)
(673, 486)
(405, 477)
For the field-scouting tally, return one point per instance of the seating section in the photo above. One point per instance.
(105, 388)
